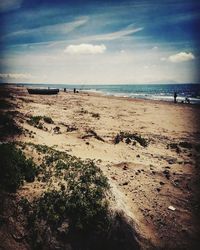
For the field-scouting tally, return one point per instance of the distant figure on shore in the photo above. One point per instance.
(187, 100)
(64, 89)
(74, 90)
(175, 96)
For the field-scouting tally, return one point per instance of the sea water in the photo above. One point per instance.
(163, 92)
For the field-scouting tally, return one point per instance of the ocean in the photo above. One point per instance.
(164, 92)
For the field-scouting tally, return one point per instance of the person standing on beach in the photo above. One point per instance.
(175, 96)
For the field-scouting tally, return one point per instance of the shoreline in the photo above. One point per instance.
(99, 89)
(101, 94)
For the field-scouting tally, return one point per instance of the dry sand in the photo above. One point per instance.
(144, 180)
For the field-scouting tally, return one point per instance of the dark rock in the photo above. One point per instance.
(171, 161)
(125, 167)
(125, 183)
(56, 130)
(166, 173)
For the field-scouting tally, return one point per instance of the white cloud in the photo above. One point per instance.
(113, 35)
(13, 76)
(6, 5)
(55, 29)
(181, 57)
(85, 48)
(163, 59)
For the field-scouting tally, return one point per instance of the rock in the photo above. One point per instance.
(138, 156)
(64, 228)
(162, 183)
(171, 161)
(125, 183)
(56, 130)
(125, 167)
(167, 174)
(172, 208)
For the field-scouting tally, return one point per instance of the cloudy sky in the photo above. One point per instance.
(99, 42)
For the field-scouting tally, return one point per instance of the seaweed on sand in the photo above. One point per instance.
(130, 138)
(92, 133)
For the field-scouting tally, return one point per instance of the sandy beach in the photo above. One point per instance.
(148, 150)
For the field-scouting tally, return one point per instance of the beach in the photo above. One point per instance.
(149, 151)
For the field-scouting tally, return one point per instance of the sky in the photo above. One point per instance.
(99, 42)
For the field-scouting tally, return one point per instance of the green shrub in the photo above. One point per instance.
(34, 120)
(185, 144)
(40, 148)
(82, 199)
(5, 104)
(74, 210)
(15, 168)
(48, 119)
(8, 126)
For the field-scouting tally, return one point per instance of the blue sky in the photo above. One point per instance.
(99, 42)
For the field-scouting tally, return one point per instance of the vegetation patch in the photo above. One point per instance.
(36, 121)
(78, 199)
(96, 115)
(129, 138)
(197, 147)
(83, 111)
(8, 126)
(71, 128)
(185, 144)
(5, 104)
(15, 168)
(48, 120)
(174, 146)
(73, 212)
